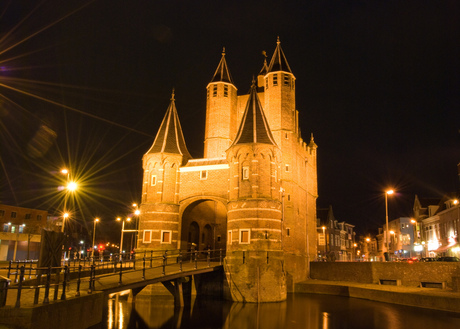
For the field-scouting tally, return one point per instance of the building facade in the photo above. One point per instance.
(253, 193)
(20, 236)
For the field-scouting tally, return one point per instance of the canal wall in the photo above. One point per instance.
(75, 313)
(443, 274)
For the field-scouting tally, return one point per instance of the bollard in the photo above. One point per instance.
(47, 286)
(180, 260)
(164, 264)
(209, 257)
(220, 256)
(196, 259)
(21, 278)
(37, 289)
(121, 272)
(64, 283)
(78, 281)
(151, 257)
(90, 288)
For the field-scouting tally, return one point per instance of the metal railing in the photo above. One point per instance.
(51, 280)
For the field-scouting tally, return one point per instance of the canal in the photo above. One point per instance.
(306, 311)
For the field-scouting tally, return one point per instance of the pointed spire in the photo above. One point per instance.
(279, 62)
(170, 138)
(222, 73)
(254, 125)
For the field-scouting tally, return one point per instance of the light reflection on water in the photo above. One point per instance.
(302, 311)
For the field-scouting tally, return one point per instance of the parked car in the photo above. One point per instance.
(428, 259)
(448, 259)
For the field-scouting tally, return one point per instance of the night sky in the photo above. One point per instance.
(85, 85)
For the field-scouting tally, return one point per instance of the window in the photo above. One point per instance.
(203, 174)
(245, 236)
(5, 227)
(2, 213)
(13, 214)
(218, 238)
(245, 173)
(225, 91)
(153, 180)
(21, 228)
(27, 216)
(287, 168)
(39, 217)
(275, 79)
(266, 83)
(288, 232)
(214, 91)
(229, 237)
(166, 236)
(147, 236)
(13, 229)
(286, 80)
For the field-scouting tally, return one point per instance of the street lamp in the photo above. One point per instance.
(94, 235)
(121, 238)
(389, 192)
(325, 240)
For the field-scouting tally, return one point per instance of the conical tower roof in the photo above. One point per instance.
(170, 138)
(279, 62)
(222, 73)
(254, 125)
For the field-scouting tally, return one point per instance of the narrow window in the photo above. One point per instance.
(287, 167)
(165, 236)
(266, 83)
(245, 236)
(225, 91)
(288, 232)
(39, 217)
(2, 213)
(245, 172)
(218, 238)
(147, 236)
(27, 216)
(289, 197)
(153, 180)
(13, 214)
(214, 91)
(286, 136)
(207, 93)
(275, 79)
(203, 174)
(229, 237)
(286, 80)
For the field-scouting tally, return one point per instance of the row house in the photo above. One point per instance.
(335, 240)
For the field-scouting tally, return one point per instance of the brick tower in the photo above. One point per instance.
(253, 193)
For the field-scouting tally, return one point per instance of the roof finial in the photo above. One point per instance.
(264, 53)
(278, 40)
(172, 94)
(223, 51)
(311, 138)
(253, 81)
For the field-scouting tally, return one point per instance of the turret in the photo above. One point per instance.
(159, 219)
(221, 112)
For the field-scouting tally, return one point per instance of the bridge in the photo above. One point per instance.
(75, 295)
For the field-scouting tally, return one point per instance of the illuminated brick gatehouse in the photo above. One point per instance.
(254, 191)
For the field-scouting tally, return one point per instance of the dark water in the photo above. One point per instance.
(299, 311)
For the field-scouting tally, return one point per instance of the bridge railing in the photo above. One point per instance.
(48, 282)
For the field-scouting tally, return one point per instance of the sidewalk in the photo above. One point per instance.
(431, 298)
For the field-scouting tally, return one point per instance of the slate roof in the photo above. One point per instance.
(222, 73)
(279, 62)
(170, 138)
(254, 125)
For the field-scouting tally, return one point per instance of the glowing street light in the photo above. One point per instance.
(94, 235)
(387, 193)
(325, 240)
(64, 217)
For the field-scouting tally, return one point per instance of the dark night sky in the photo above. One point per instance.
(378, 84)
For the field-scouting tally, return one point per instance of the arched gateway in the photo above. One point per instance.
(253, 193)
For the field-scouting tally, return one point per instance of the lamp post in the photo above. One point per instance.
(121, 238)
(94, 235)
(325, 240)
(389, 192)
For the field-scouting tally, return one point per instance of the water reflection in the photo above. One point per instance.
(299, 311)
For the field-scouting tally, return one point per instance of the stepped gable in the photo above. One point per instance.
(279, 62)
(222, 73)
(170, 138)
(254, 125)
